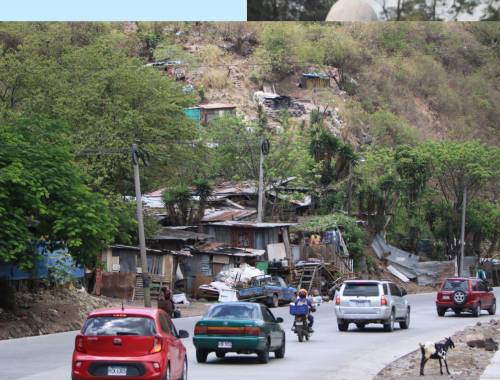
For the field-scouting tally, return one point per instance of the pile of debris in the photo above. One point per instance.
(274, 104)
(230, 279)
(407, 266)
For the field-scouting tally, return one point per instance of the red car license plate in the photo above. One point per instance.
(117, 371)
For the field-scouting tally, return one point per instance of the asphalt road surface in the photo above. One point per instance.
(330, 354)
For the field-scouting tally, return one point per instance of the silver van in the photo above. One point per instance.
(370, 301)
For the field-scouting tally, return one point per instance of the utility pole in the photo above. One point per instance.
(260, 207)
(140, 222)
(462, 234)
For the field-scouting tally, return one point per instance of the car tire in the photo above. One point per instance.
(389, 325)
(459, 297)
(406, 323)
(280, 354)
(476, 311)
(493, 308)
(185, 369)
(220, 355)
(441, 311)
(263, 355)
(343, 326)
(201, 356)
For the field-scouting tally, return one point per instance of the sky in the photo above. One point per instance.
(123, 10)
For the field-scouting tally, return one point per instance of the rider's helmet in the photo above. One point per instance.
(302, 293)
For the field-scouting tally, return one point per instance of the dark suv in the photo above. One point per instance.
(465, 294)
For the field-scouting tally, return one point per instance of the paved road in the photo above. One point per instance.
(330, 354)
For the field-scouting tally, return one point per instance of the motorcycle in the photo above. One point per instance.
(300, 323)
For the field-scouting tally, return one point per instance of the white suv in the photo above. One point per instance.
(369, 301)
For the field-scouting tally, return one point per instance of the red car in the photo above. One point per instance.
(465, 294)
(133, 343)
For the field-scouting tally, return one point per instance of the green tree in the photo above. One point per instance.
(43, 196)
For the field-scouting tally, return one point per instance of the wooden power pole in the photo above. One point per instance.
(140, 222)
(462, 233)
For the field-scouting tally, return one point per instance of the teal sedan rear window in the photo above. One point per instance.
(233, 312)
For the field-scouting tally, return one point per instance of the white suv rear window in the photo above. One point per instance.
(361, 289)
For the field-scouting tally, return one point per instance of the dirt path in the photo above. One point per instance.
(465, 363)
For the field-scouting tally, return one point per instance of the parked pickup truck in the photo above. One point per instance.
(269, 290)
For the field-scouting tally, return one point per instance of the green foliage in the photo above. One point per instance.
(43, 196)
(390, 130)
(277, 51)
(107, 98)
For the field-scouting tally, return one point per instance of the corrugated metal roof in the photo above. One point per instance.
(250, 224)
(221, 215)
(176, 234)
(215, 106)
(217, 248)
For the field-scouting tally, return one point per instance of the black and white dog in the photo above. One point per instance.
(435, 351)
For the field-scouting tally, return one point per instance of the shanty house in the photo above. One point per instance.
(122, 268)
(208, 112)
(256, 235)
(315, 80)
(194, 113)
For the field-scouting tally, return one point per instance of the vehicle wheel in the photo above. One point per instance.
(343, 326)
(264, 355)
(441, 311)
(406, 323)
(493, 308)
(476, 312)
(360, 325)
(275, 302)
(220, 355)
(389, 325)
(457, 312)
(280, 354)
(168, 374)
(307, 336)
(459, 297)
(300, 336)
(185, 369)
(201, 356)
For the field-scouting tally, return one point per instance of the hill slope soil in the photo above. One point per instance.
(464, 362)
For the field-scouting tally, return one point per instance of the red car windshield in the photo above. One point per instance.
(456, 285)
(109, 325)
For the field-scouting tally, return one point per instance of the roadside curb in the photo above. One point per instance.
(492, 371)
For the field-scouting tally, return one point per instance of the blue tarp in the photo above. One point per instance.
(50, 259)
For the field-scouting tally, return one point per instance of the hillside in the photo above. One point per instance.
(390, 124)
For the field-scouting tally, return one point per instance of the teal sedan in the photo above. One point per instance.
(241, 327)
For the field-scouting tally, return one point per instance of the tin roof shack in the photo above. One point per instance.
(492, 269)
(315, 80)
(256, 235)
(194, 113)
(122, 266)
(208, 112)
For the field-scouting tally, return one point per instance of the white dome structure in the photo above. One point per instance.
(352, 10)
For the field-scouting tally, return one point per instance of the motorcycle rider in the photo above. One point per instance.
(303, 300)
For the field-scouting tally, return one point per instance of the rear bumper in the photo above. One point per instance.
(451, 305)
(368, 315)
(87, 368)
(239, 344)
